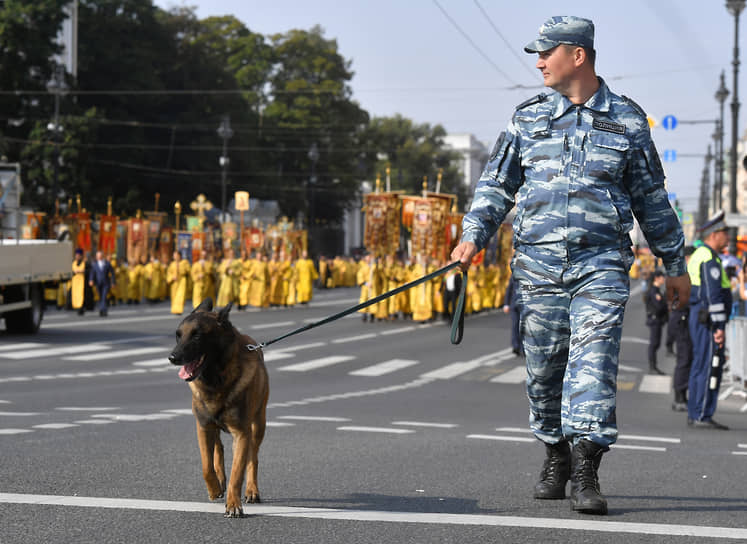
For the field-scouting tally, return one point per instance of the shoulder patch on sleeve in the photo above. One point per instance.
(634, 105)
(497, 146)
(715, 272)
(534, 100)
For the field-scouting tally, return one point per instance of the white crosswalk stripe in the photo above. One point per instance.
(315, 364)
(51, 352)
(117, 354)
(385, 367)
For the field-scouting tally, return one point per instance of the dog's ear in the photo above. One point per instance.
(205, 306)
(223, 313)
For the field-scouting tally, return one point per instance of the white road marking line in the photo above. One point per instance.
(384, 367)
(277, 356)
(642, 448)
(16, 379)
(375, 430)
(739, 453)
(154, 362)
(113, 321)
(628, 368)
(54, 426)
(179, 411)
(273, 325)
(515, 376)
(452, 370)
(21, 345)
(4, 401)
(19, 414)
(397, 331)
(280, 424)
(315, 418)
(94, 422)
(502, 438)
(317, 363)
(51, 352)
(486, 520)
(649, 438)
(513, 429)
(135, 417)
(354, 338)
(426, 424)
(655, 384)
(15, 431)
(118, 354)
(301, 347)
(742, 445)
(87, 408)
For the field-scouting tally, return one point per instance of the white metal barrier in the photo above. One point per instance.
(736, 346)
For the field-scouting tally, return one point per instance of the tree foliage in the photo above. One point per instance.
(151, 91)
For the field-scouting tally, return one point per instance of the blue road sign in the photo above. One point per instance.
(669, 155)
(669, 122)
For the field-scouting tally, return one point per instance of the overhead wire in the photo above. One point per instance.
(509, 46)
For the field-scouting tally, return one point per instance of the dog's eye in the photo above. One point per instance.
(178, 335)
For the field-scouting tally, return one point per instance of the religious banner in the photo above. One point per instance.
(198, 244)
(184, 245)
(83, 235)
(136, 239)
(453, 231)
(166, 244)
(108, 234)
(422, 227)
(32, 228)
(155, 221)
(230, 234)
(408, 210)
(254, 238)
(381, 234)
(194, 223)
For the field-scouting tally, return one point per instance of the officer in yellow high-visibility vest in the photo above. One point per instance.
(710, 304)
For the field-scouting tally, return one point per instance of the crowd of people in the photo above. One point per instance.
(278, 281)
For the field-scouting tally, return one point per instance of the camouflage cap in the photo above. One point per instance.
(565, 29)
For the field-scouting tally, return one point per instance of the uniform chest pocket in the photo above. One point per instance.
(606, 155)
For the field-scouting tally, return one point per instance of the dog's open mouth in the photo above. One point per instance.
(192, 370)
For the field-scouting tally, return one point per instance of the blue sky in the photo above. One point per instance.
(409, 57)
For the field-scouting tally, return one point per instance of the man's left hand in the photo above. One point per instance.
(678, 290)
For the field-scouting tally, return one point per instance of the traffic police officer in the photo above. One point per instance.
(710, 304)
(578, 164)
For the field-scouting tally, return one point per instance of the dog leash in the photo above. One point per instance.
(457, 324)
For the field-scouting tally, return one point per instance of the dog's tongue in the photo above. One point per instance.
(188, 371)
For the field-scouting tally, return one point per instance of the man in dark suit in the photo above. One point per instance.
(101, 276)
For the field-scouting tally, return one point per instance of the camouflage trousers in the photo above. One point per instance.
(572, 308)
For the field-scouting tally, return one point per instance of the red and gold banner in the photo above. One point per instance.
(381, 236)
(430, 218)
(32, 228)
(83, 235)
(108, 234)
(254, 239)
(198, 244)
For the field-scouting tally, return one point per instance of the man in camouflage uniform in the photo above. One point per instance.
(578, 164)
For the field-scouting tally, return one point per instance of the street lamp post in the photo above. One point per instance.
(734, 7)
(721, 93)
(225, 132)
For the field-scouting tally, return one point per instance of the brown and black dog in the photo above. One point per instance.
(230, 389)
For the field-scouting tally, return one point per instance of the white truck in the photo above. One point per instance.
(26, 266)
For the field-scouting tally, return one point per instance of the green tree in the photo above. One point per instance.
(312, 107)
(412, 151)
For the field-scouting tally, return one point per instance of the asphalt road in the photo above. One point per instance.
(377, 432)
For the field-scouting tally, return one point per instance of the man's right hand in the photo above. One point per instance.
(464, 253)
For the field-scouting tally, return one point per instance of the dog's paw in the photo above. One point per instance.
(233, 511)
(215, 496)
(252, 498)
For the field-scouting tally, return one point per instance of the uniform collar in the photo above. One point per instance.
(599, 101)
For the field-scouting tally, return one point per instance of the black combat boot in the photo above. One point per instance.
(556, 471)
(585, 494)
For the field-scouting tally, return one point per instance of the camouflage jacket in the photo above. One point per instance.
(577, 174)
